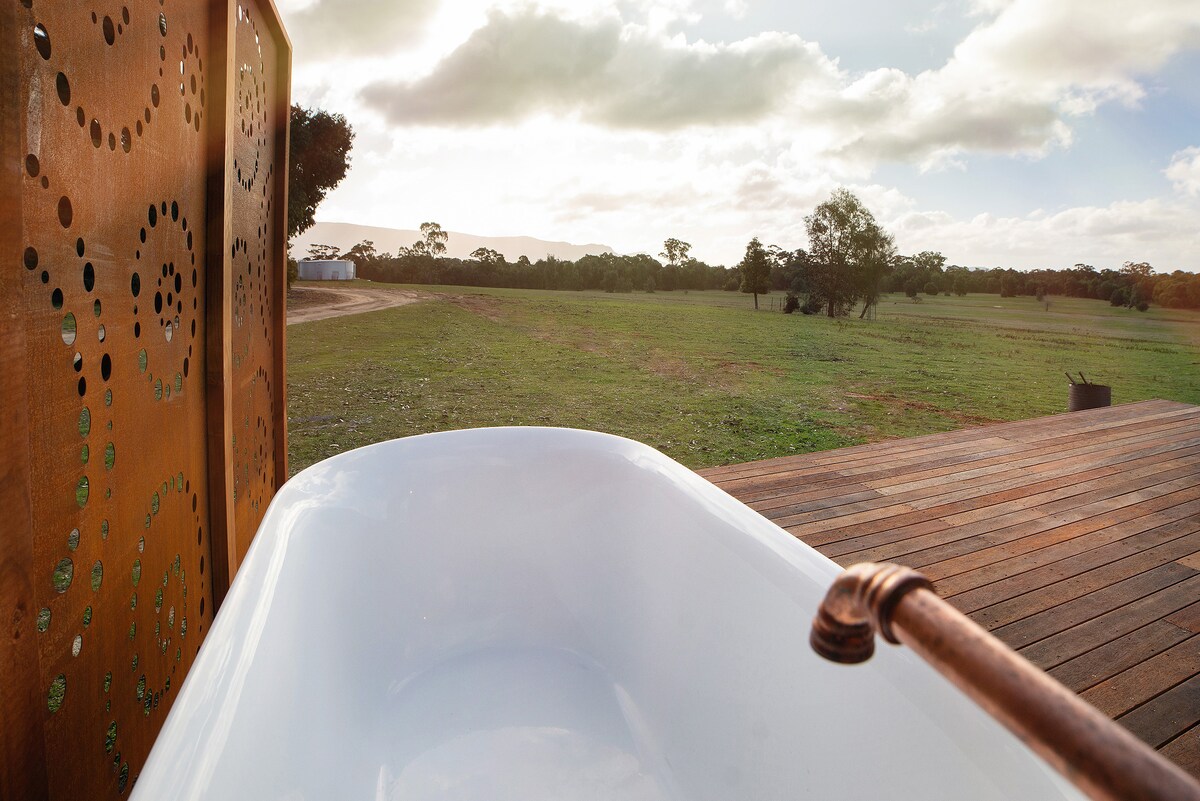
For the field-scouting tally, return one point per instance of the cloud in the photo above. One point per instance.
(330, 28)
(1013, 84)
(603, 71)
(1184, 171)
(1154, 230)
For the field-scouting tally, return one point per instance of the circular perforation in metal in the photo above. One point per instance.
(165, 292)
(250, 99)
(165, 587)
(131, 45)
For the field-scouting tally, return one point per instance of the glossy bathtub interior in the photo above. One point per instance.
(550, 614)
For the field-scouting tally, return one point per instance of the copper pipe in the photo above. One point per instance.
(1094, 753)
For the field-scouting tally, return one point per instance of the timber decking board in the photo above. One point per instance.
(1074, 538)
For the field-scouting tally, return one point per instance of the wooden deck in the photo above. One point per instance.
(1073, 538)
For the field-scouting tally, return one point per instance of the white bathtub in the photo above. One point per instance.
(550, 614)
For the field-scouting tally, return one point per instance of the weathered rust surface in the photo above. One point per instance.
(107, 302)
(1096, 754)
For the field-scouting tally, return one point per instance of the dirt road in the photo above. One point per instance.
(306, 304)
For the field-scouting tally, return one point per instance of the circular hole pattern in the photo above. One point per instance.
(97, 575)
(65, 213)
(41, 40)
(69, 331)
(64, 572)
(64, 89)
(43, 619)
(58, 692)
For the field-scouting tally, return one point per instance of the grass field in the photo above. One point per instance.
(705, 379)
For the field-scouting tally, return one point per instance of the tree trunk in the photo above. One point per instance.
(756, 301)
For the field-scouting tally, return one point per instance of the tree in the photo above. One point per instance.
(756, 270)
(362, 253)
(489, 257)
(848, 254)
(930, 261)
(318, 158)
(316, 251)
(435, 238)
(930, 288)
(675, 252)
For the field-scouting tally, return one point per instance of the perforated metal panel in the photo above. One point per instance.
(258, 291)
(143, 311)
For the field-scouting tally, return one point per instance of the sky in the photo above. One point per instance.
(1002, 133)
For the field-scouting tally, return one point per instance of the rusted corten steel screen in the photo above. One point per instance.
(144, 149)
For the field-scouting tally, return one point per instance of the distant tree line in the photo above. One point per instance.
(422, 263)
(1134, 285)
(850, 262)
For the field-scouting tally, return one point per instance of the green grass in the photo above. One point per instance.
(705, 379)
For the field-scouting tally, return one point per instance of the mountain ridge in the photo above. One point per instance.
(344, 236)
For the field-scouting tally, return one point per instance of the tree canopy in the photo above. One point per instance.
(755, 268)
(849, 254)
(318, 158)
(675, 251)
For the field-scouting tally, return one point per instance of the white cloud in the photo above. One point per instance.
(339, 28)
(1184, 171)
(1014, 83)
(737, 8)
(1153, 230)
(606, 72)
(1012, 86)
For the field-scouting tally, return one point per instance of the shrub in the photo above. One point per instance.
(810, 306)
(931, 288)
(1143, 306)
(791, 304)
